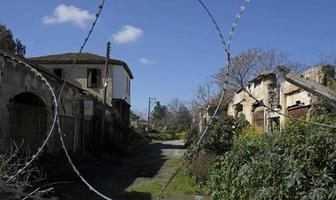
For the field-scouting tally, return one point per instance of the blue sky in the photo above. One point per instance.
(171, 45)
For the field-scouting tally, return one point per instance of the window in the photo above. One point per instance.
(93, 78)
(58, 72)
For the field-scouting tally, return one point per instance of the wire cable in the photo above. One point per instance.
(228, 57)
(54, 99)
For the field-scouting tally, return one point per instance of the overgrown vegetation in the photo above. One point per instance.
(10, 162)
(219, 138)
(297, 163)
(133, 141)
(162, 136)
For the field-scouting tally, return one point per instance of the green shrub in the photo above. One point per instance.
(220, 135)
(163, 136)
(191, 137)
(201, 165)
(251, 132)
(297, 163)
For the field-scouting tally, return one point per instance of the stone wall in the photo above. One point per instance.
(27, 108)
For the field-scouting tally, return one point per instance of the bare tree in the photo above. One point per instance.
(205, 93)
(253, 62)
(327, 59)
(179, 117)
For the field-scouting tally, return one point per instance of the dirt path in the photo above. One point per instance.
(155, 162)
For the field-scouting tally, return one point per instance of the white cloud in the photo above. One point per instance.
(69, 14)
(128, 34)
(146, 61)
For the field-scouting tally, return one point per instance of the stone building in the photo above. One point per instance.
(297, 102)
(263, 88)
(285, 98)
(27, 108)
(89, 72)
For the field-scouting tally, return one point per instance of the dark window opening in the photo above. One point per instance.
(58, 72)
(93, 78)
(238, 109)
(274, 124)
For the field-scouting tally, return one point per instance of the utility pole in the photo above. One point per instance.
(150, 100)
(108, 51)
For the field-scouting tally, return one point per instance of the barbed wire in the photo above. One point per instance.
(224, 89)
(56, 117)
(54, 99)
(227, 48)
(74, 168)
(283, 114)
(100, 8)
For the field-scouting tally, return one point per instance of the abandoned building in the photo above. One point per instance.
(26, 106)
(285, 98)
(282, 97)
(89, 74)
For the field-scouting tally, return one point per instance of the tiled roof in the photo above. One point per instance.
(84, 58)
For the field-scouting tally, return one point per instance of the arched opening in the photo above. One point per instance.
(27, 119)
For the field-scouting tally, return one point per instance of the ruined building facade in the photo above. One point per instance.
(27, 108)
(285, 98)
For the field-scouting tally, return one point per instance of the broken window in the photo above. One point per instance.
(274, 124)
(259, 118)
(238, 109)
(93, 78)
(58, 72)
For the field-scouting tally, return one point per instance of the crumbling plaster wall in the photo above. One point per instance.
(78, 77)
(290, 95)
(259, 88)
(16, 79)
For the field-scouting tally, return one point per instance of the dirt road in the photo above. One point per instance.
(113, 180)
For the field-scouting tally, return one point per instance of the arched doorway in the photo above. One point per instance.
(27, 119)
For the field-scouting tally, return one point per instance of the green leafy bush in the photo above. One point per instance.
(220, 135)
(190, 137)
(200, 166)
(251, 132)
(162, 136)
(297, 163)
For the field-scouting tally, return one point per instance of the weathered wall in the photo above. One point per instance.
(288, 99)
(15, 80)
(121, 84)
(78, 77)
(242, 103)
(18, 86)
(297, 102)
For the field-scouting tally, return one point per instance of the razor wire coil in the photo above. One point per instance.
(227, 49)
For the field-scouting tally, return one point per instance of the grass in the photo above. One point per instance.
(182, 184)
(162, 136)
(167, 136)
(182, 135)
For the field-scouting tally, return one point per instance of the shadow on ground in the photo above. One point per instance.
(111, 178)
